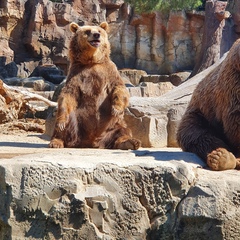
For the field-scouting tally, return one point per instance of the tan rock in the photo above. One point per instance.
(133, 75)
(150, 89)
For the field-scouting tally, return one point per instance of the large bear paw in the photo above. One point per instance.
(117, 110)
(131, 143)
(56, 143)
(221, 159)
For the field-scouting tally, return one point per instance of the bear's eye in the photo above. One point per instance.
(88, 32)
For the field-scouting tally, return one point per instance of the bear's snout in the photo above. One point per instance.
(95, 39)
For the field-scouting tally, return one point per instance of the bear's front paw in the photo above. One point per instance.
(221, 159)
(117, 110)
(56, 143)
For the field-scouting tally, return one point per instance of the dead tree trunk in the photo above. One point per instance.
(218, 35)
(14, 103)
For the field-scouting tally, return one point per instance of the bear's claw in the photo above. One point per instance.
(116, 111)
(61, 126)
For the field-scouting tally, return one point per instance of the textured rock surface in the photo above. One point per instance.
(34, 31)
(101, 194)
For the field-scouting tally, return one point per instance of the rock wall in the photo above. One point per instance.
(34, 31)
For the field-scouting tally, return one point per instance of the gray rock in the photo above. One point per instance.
(104, 194)
(9, 70)
(3, 73)
(30, 81)
(2, 61)
(15, 81)
(12, 69)
(37, 84)
(49, 72)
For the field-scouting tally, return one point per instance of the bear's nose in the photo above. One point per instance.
(96, 35)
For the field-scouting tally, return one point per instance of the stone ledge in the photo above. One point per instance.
(113, 194)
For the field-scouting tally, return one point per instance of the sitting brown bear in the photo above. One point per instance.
(210, 126)
(92, 103)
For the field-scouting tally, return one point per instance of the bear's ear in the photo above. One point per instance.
(104, 25)
(74, 27)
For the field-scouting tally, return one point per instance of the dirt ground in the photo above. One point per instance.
(23, 137)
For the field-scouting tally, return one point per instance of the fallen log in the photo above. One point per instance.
(15, 102)
(26, 95)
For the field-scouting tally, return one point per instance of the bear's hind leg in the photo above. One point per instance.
(197, 136)
(221, 159)
(119, 138)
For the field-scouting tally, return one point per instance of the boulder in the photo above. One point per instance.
(50, 73)
(150, 89)
(38, 84)
(133, 75)
(179, 77)
(9, 70)
(12, 69)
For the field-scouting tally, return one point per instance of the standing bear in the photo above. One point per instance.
(210, 126)
(92, 103)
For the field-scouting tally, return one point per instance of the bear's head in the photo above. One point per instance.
(89, 44)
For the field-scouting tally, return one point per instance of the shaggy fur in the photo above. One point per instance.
(210, 126)
(91, 105)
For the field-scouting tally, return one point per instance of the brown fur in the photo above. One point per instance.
(210, 126)
(91, 105)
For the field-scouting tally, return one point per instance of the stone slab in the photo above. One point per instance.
(88, 194)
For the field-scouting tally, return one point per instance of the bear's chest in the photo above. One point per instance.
(93, 82)
(94, 92)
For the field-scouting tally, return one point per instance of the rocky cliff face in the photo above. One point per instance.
(34, 31)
